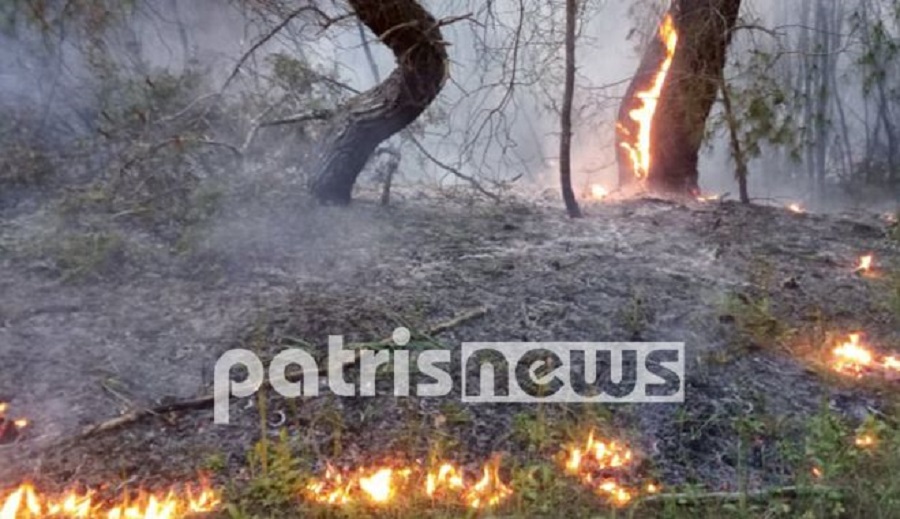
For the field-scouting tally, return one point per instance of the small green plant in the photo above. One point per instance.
(755, 320)
(84, 255)
(636, 317)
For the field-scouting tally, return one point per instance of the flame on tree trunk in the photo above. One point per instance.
(374, 116)
(693, 73)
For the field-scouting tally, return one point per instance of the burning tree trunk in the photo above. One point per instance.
(673, 93)
(374, 116)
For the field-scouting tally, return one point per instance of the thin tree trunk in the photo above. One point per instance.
(374, 116)
(679, 124)
(823, 96)
(565, 140)
(737, 152)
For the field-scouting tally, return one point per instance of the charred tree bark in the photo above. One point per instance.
(679, 124)
(687, 97)
(565, 140)
(372, 117)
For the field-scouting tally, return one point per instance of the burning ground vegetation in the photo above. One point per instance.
(790, 321)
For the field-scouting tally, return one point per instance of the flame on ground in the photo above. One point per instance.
(708, 198)
(638, 146)
(27, 503)
(856, 358)
(384, 485)
(592, 462)
(797, 208)
(10, 430)
(866, 264)
(865, 441)
(598, 192)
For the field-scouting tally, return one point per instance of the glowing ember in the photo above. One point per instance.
(855, 358)
(591, 463)
(851, 357)
(865, 264)
(796, 208)
(817, 472)
(709, 198)
(892, 363)
(638, 146)
(27, 503)
(865, 441)
(10, 430)
(598, 192)
(381, 485)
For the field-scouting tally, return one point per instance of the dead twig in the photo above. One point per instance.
(450, 169)
(687, 498)
(275, 30)
(427, 333)
(138, 414)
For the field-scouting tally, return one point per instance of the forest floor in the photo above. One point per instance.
(95, 324)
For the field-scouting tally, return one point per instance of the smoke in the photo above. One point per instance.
(497, 118)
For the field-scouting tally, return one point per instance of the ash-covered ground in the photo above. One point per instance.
(142, 324)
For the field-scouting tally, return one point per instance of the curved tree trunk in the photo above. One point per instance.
(372, 117)
(679, 124)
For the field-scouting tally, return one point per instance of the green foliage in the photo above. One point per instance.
(864, 478)
(763, 105)
(755, 320)
(276, 478)
(84, 255)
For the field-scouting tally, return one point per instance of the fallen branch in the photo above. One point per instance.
(450, 169)
(687, 498)
(138, 414)
(428, 334)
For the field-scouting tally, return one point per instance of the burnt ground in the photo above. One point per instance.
(143, 323)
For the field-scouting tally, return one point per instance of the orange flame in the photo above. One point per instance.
(865, 441)
(856, 358)
(852, 357)
(866, 264)
(598, 192)
(796, 208)
(446, 477)
(381, 485)
(638, 146)
(596, 458)
(27, 503)
(490, 490)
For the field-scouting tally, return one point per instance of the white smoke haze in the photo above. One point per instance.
(496, 118)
